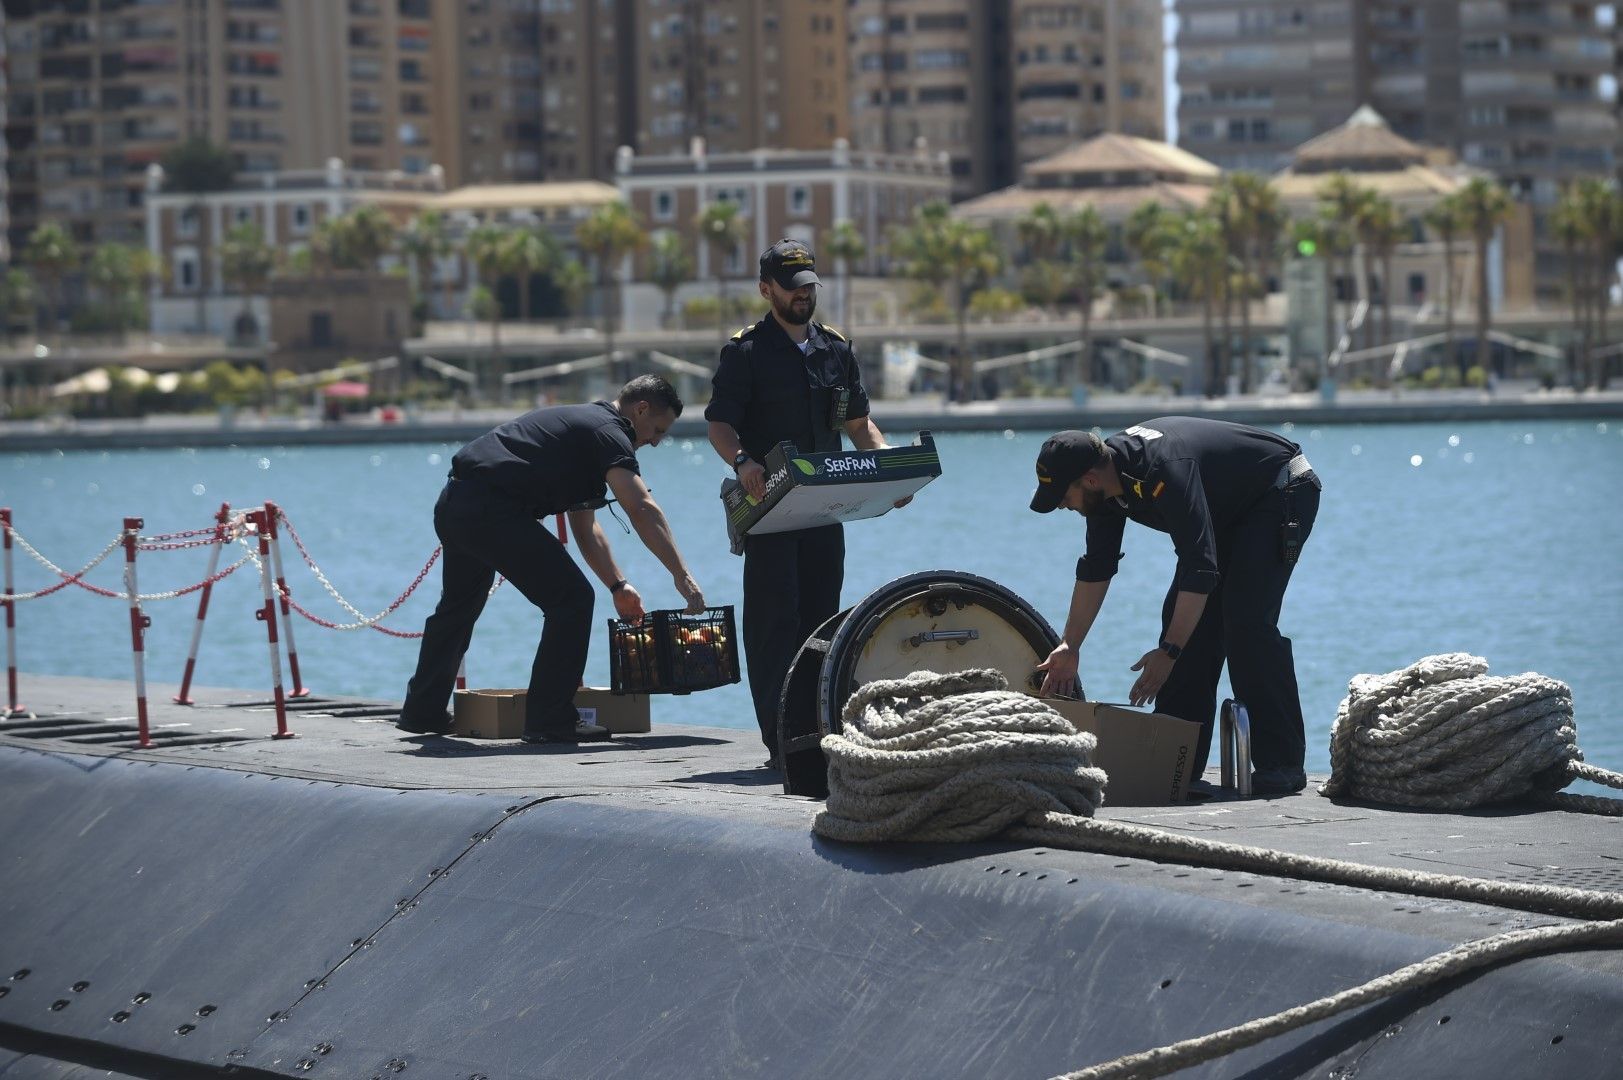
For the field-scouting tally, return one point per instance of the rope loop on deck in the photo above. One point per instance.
(959, 757)
(1444, 734)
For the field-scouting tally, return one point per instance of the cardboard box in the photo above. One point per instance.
(488, 714)
(623, 714)
(1146, 755)
(499, 714)
(806, 490)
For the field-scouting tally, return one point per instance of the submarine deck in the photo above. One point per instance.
(660, 908)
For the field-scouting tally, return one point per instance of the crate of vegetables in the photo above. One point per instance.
(670, 652)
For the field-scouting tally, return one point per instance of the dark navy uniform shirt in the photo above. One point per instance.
(770, 392)
(1190, 478)
(551, 459)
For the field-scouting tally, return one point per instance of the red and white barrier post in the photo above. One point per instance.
(138, 626)
(12, 707)
(220, 534)
(299, 689)
(267, 615)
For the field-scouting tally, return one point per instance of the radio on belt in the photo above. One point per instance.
(804, 491)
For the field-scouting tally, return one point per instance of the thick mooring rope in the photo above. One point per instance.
(1444, 734)
(960, 757)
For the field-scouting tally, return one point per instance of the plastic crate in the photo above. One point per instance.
(673, 653)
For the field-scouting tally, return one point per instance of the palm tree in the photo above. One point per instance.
(1223, 206)
(1444, 220)
(17, 296)
(421, 242)
(847, 246)
(526, 253)
(723, 229)
(1344, 201)
(573, 282)
(198, 167)
(246, 262)
(1601, 214)
(1148, 236)
(1384, 228)
(113, 273)
(941, 249)
(51, 254)
(1260, 221)
(612, 232)
(1484, 206)
(669, 267)
(365, 235)
(1084, 235)
(484, 246)
(1199, 260)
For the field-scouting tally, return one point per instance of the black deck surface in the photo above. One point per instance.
(719, 815)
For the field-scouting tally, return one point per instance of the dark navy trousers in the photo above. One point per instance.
(1240, 624)
(792, 584)
(484, 533)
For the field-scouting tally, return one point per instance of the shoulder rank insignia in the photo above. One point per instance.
(743, 332)
(831, 332)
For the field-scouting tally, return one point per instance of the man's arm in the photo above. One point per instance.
(1059, 670)
(1156, 665)
(752, 474)
(649, 521)
(594, 548)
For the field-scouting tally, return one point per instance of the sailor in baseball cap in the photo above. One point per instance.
(790, 264)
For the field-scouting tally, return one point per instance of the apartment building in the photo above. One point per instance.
(1526, 89)
(999, 83)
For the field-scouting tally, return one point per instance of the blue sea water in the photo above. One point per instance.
(1503, 539)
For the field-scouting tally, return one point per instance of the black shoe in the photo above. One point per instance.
(772, 763)
(581, 732)
(425, 727)
(1201, 790)
(1280, 780)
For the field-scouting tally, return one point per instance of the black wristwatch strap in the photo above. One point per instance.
(739, 459)
(1172, 650)
(618, 585)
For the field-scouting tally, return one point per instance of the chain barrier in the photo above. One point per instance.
(67, 578)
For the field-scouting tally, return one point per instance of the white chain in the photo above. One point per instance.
(363, 621)
(55, 569)
(218, 576)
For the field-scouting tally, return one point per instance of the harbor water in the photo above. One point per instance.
(1503, 539)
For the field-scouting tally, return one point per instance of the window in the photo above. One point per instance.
(242, 215)
(186, 225)
(665, 205)
(186, 270)
(300, 216)
(799, 200)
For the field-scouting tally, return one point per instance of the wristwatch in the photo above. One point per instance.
(740, 458)
(1172, 650)
(619, 584)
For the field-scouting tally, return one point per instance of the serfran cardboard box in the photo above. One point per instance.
(622, 714)
(1146, 755)
(488, 714)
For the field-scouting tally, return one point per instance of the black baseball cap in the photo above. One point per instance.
(790, 263)
(1062, 460)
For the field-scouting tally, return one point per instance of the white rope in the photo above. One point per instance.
(959, 757)
(55, 569)
(1444, 734)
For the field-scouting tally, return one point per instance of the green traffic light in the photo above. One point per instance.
(1306, 247)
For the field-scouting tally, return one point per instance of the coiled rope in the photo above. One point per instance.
(960, 757)
(1444, 734)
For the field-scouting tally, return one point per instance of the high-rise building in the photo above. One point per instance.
(5, 158)
(1523, 88)
(998, 83)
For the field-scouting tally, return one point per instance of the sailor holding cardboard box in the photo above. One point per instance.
(786, 378)
(1238, 502)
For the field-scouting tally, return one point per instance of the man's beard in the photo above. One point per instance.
(789, 314)
(1091, 501)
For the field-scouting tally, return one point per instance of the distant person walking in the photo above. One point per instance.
(550, 461)
(1238, 502)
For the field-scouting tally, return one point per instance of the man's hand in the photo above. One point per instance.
(628, 603)
(1059, 672)
(752, 474)
(691, 593)
(1156, 666)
